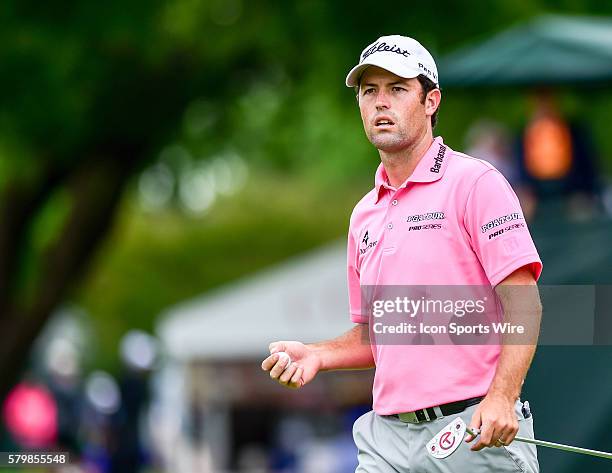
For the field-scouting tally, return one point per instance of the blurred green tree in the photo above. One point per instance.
(89, 93)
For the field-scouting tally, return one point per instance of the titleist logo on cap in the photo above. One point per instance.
(380, 47)
(409, 59)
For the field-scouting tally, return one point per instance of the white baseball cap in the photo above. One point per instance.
(403, 56)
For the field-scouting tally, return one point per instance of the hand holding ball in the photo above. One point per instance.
(287, 369)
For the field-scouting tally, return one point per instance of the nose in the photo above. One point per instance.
(382, 100)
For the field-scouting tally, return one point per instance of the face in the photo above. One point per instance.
(391, 110)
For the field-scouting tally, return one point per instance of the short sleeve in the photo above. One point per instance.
(354, 285)
(498, 232)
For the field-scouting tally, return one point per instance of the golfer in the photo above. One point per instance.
(434, 217)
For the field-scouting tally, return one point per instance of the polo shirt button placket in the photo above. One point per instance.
(390, 239)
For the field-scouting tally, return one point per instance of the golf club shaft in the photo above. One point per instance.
(567, 448)
(558, 446)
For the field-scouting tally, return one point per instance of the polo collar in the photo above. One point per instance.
(430, 168)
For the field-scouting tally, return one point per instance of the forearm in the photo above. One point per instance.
(349, 351)
(522, 307)
(512, 367)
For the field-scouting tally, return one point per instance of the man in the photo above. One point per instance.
(435, 217)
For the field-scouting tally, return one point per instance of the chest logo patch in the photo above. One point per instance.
(426, 216)
(366, 244)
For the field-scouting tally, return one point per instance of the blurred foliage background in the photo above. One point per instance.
(152, 150)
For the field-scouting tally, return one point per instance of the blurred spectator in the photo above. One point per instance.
(547, 143)
(103, 400)
(138, 354)
(64, 382)
(558, 158)
(489, 140)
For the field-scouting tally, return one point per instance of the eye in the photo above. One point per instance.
(398, 89)
(367, 91)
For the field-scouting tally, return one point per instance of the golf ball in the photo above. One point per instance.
(281, 355)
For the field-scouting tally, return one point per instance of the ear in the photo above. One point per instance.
(432, 101)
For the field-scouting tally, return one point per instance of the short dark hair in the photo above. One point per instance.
(427, 85)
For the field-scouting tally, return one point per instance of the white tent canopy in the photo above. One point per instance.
(302, 299)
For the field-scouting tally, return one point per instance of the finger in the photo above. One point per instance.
(501, 440)
(288, 373)
(279, 367)
(496, 437)
(513, 433)
(269, 362)
(475, 425)
(509, 433)
(275, 347)
(478, 446)
(486, 438)
(296, 379)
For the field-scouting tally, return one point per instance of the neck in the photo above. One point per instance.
(399, 165)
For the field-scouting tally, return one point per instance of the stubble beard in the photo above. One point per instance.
(389, 141)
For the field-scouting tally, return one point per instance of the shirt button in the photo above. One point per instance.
(390, 226)
(394, 201)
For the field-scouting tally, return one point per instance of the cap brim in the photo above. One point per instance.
(352, 79)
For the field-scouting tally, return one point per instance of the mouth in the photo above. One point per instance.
(383, 122)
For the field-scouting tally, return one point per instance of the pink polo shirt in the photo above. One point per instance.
(455, 221)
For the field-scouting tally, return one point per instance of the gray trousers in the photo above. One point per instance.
(388, 445)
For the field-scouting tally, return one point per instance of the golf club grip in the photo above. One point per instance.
(567, 448)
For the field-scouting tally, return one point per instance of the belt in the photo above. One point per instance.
(432, 413)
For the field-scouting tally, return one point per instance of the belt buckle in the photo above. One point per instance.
(409, 417)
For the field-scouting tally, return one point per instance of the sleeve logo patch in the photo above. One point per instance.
(496, 222)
